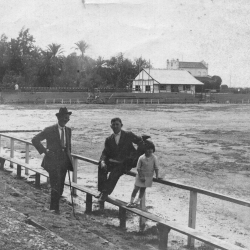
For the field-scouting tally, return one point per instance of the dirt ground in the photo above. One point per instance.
(26, 223)
(206, 146)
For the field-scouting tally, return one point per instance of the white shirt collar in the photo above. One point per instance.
(59, 127)
(118, 134)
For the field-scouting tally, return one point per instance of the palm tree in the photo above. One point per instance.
(52, 62)
(55, 49)
(82, 46)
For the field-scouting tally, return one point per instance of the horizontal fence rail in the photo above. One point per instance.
(64, 89)
(155, 101)
(113, 100)
(194, 191)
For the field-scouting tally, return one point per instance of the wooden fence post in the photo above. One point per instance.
(27, 157)
(19, 171)
(142, 222)
(11, 147)
(37, 181)
(192, 215)
(163, 236)
(88, 203)
(2, 161)
(11, 150)
(74, 174)
(122, 217)
(101, 205)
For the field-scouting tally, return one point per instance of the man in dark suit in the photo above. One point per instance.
(117, 158)
(57, 160)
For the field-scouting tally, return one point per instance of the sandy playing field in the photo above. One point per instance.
(206, 146)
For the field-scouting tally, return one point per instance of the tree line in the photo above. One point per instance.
(24, 63)
(213, 82)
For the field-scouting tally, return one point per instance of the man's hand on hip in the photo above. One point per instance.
(49, 153)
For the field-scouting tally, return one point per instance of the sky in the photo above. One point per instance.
(216, 31)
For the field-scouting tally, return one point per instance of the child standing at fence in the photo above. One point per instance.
(146, 166)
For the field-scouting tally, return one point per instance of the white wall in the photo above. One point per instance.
(173, 64)
(192, 87)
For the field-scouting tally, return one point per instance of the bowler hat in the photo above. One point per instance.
(63, 111)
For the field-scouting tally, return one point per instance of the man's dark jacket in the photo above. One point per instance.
(52, 137)
(124, 151)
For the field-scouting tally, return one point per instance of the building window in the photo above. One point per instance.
(148, 88)
(163, 87)
(137, 88)
(174, 88)
(186, 87)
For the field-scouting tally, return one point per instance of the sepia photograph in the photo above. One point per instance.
(124, 125)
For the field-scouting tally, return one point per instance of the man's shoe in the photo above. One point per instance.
(57, 212)
(103, 197)
(132, 205)
(63, 198)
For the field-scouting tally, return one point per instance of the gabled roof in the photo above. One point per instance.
(168, 76)
(194, 65)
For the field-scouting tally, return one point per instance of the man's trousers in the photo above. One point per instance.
(57, 176)
(107, 183)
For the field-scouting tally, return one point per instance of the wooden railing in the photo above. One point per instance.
(155, 101)
(194, 191)
(114, 100)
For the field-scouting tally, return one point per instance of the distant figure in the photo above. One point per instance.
(146, 166)
(117, 157)
(16, 87)
(57, 160)
(97, 95)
